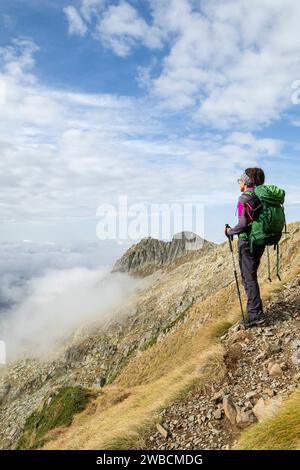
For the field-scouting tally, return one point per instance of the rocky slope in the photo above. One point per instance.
(167, 299)
(150, 254)
(262, 368)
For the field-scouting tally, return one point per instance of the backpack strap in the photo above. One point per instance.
(252, 209)
(248, 210)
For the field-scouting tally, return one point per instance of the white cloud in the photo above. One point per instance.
(229, 64)
(76, 23)
(59, 303)
(26, 260)
(121, 28)
(18, 59)
(80, 19)
(90, 8)
(263, 145)
(233, 63)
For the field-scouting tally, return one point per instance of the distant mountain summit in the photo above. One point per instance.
(151, 254)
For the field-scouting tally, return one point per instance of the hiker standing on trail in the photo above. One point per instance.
(249, 260)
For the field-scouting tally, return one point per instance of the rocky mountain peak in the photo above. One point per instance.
(151, 254)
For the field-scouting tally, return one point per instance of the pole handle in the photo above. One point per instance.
(230, 237)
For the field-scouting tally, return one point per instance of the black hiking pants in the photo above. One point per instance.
(249, 263)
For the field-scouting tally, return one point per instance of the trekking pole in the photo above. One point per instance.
(268, 260)
(236, 276)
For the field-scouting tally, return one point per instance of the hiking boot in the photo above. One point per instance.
(255, 322)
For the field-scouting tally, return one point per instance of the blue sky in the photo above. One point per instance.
(66, 60)
(163, 101)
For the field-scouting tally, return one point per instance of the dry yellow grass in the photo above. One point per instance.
(187, 355)
(187, 343)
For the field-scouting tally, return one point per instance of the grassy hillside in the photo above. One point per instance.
(188, 354)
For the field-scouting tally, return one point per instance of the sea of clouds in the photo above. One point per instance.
(48, 291)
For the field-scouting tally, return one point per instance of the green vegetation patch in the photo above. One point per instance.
(149, 343)
(57, 411)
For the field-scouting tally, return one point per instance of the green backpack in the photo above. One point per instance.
(268, 219)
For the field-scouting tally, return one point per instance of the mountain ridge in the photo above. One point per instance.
(151, 254)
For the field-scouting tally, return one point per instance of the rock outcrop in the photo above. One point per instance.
(151, 254)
